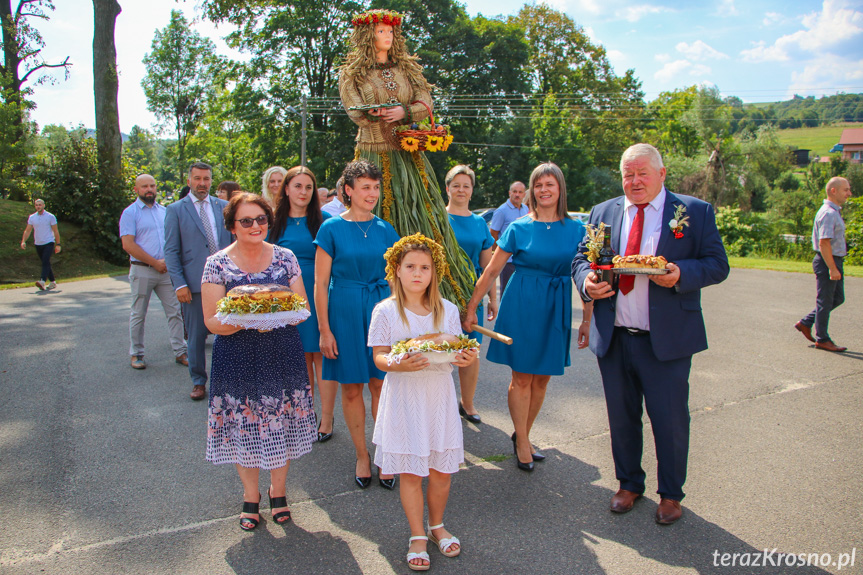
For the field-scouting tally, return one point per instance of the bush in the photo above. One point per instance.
(741, 231)
(853, 214)
(69, 176)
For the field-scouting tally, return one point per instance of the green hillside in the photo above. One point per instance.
(819, 139)
(76, 260)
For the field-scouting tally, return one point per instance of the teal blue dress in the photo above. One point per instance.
(297, 238)
(536, 308)
(357, 283)
(473, 236)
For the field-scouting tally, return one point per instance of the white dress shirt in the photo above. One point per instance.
(334, 207)
(633, 309)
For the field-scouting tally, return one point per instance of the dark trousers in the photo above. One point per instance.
(193, 317)
(505, 274)
(829, 295)
(45, 251)
(631, 373)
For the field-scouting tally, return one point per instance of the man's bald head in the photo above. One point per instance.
(145, 187)
(838, 190)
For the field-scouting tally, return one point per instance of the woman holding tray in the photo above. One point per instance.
(382, 88)
(295, 226)
(536, 309)
(475, 239)
(350, 279)
(260, 412)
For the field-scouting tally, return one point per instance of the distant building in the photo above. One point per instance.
(801, 157)
(852, 144)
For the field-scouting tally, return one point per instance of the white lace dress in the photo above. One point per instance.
(418, 426)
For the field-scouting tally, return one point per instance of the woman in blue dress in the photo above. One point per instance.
(295, 225)
(474, 237)
(536, 308)
(350, 279)
(260, 413)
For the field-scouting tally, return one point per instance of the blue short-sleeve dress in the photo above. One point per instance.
(357, 283)
(297, 238)
(260, 412)
(536, 308)
(473, 235)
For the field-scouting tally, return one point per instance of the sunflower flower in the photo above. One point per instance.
(447, 141)
(410, 144)
(434, 143)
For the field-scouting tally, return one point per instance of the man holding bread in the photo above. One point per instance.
(645, 332)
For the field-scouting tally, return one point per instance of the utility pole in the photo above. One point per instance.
(303, 132)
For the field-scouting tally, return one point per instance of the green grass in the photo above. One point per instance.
(819, 139)
(495, 458)
(785, 266)
(19, 268)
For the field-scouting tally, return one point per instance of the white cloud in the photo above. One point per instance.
(726, 8)
(837, 23)
(699, 50)
(831, 72)
(674, 70)
(636, 13)
(662, 58)
(771, 18)
(581, 6)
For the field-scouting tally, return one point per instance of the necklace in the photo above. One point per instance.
(365, 231)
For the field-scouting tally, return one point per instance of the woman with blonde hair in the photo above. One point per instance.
(536, 309)
(271, 184)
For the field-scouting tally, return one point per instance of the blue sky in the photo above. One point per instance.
(758, 50)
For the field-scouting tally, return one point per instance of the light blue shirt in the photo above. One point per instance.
(505, 215)
(147, 225)
(830, 225)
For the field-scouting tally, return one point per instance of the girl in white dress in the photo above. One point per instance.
(418, 431)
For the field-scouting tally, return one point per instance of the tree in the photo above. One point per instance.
(105, 86)
(22, 65)
(180, 71)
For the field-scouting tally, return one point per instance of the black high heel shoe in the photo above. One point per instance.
(522, 466)
(475, 419)
(536, 456)
(276, 502)
(389, 484)
(324, 437)
(363, 482)
(247, 523)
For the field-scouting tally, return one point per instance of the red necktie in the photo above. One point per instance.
(633, 246)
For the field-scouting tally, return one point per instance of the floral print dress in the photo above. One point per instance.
(261, 411)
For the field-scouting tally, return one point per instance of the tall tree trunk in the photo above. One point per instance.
(105, 86)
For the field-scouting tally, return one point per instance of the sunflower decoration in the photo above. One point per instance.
(594, 240)
(410, 144)
(393, 255)
(447, 141)
(434, 143)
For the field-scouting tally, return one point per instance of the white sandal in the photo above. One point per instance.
(444, 544)
(421, 555)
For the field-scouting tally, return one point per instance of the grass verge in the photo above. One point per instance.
(20, 268)
(785, 266)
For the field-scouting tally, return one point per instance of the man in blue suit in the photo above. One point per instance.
(194, 230)
(645, 331)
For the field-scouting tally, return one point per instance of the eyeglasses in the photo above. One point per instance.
(247, 222)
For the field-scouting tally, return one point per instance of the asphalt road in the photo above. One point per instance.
(102, 467)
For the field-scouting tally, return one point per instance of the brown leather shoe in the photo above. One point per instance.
(138, 362)
(623, 500)
(182, 360)
(198, 392)
(805, 330)
(668, 511)
(829, 346)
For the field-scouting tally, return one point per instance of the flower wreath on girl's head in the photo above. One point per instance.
(373, 17)
(393, 255)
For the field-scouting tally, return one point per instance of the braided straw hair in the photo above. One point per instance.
(360, 61)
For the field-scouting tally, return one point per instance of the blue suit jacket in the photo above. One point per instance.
(186, 250)
(676, 324)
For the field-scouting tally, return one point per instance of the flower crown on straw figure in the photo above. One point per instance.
(394, 254)
(372, 17)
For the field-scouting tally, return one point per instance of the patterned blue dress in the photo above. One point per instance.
(536, 308)
(357, 283)
(473, 236)
(260, 412)
(297, 238)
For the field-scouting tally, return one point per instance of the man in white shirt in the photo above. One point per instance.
(46, 237)
(645, 332)
(142, 231)
(336, 207)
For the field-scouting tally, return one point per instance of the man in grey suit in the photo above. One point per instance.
(194, 230)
